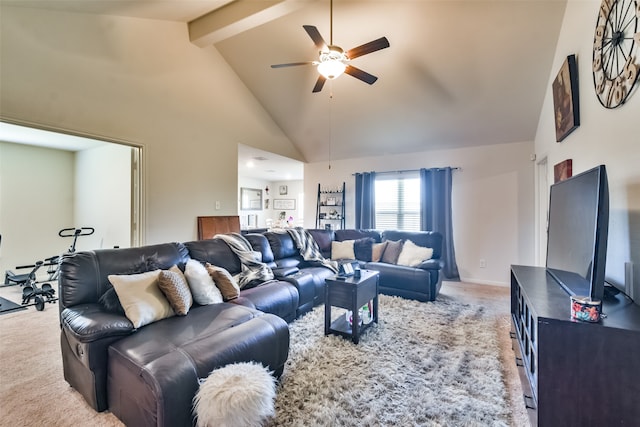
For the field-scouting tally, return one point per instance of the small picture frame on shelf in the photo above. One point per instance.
(331, 201)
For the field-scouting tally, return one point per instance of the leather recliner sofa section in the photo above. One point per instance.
(148, 376)
(421, 283)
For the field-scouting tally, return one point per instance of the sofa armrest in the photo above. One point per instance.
(431, 264)
(89, 322)
(284, 271)
(244, 301)
(87, 332)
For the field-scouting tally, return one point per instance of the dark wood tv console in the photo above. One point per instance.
(574, 373)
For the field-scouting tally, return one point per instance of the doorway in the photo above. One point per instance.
(280, 180)
(51, 179)
(542, 211)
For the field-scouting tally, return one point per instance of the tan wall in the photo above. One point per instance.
(140, 81)
(103, 196)
(609, 137)
(295, 191)
(492, 201)
(36, 201)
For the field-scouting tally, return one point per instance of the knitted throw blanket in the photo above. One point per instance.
(309, 249)
(253, 269)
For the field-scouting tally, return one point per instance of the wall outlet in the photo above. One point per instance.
(483, 263)
(217, 204)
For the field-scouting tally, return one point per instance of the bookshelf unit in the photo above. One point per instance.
(330, 209)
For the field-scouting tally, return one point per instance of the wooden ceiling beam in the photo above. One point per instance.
(238, 16)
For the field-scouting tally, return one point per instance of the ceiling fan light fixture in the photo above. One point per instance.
(332, 63)
(331, 68)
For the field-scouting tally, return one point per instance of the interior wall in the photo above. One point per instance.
(294, 191)
(605, 136)
(142, 81)
(36, 201)
(103, 196)
(492, 201)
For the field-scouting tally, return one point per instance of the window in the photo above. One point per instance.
(398, 201)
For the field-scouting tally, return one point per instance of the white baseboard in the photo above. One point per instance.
(484, 282)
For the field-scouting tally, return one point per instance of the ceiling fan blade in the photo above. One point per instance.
(366, 48)
(361, 75)
(316, 37)
(319, 84)
(292, 64)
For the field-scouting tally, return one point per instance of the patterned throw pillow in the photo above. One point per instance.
(174, 286)
(224, 281)
(392, 252)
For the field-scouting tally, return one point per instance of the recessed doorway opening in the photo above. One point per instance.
(51, 179)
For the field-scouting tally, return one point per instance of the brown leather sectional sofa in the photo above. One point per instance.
(149, 375)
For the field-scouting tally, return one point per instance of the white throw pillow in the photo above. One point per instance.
(412, 254)
(343, 250)
(202, 287)
(141, 298)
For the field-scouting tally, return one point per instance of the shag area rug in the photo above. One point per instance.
(424, 364)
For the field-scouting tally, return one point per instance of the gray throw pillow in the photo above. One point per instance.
(392, 252)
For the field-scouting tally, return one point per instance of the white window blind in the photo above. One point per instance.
(398, 201)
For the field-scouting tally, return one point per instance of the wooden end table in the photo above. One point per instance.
(350, 293)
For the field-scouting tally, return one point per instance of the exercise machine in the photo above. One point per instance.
(40, 295)
(75, 233)
(12, 279)
(45, 292)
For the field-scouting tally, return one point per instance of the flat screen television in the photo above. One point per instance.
(577, 233)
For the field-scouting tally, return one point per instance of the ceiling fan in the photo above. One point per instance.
(333, 61)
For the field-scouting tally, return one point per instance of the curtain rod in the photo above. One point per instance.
(457, 168)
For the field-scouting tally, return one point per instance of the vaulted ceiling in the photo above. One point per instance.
(458, 73)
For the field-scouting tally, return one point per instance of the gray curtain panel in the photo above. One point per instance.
(435, 212)
(365, 200)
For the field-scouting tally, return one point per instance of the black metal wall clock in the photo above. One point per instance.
(616, 65)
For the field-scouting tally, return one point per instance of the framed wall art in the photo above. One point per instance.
(566, 106)
(250, 199)
(286, 204)
(563, 170)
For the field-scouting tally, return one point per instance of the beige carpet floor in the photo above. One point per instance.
(33, 391)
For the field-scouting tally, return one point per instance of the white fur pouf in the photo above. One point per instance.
(237, 395)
